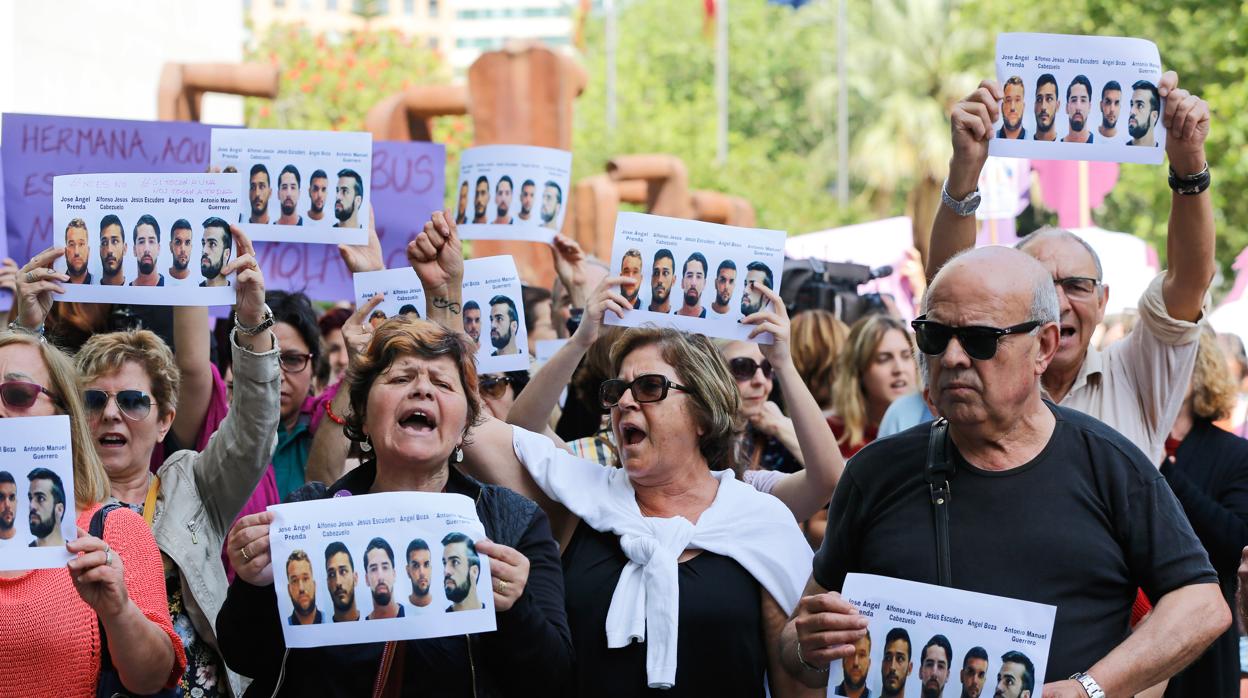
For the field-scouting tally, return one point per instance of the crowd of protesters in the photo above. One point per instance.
(663, 511)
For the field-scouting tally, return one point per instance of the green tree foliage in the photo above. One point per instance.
(330, 81)
(666, 103)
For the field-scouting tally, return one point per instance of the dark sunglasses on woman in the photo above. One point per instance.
(133, 404)
(978, 341)
(494, 387)
(650, 387)
(743, 368)
(21, 395)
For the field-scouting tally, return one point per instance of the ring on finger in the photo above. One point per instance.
(502, 585)
(108, 557)
(30, 277)
(246, 556)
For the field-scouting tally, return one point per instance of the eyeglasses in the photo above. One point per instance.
(978, 341)
(294, 362)
(133, 404)
(1078, 286)
(743, 368)
(20, 395)
(651, 387)
(494, 387)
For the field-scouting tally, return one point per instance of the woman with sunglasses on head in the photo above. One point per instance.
(876, 367)
(51, 619)
(769, 442)
(679, 576)
(132, 386)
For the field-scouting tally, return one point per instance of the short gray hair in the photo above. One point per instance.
(1049, 231)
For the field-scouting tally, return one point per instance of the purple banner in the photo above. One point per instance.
(407, 187)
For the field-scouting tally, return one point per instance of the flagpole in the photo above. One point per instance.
(842, 111)
(609, 8)
(721, 79)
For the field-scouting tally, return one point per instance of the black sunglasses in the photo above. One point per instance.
(743, 368)
(651, 387)
(494, 387)
(21, 395)
(133, 404)
(978, 341)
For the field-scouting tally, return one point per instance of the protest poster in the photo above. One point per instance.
(300, 186)
(36, 491)
(492, 303)
(378, 567)
(546, 349)
(1079, 98)
(921, 636)
(512, 192)
(145, 239)
(694, 276)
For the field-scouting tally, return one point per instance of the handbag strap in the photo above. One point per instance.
(149, 504)
(390, 674)
(936, 473)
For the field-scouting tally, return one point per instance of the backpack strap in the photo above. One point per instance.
(936, 473)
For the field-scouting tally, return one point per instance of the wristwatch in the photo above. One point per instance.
(266, 321)
(963, 208)
(1089, 684)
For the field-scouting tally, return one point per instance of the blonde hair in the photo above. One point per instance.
(715, 400)
(817, 337)
(91, 483)
(848, 396)
(105, 354)
(1213, 391)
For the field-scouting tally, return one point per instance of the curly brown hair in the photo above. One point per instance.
(1213, 391)
(403, 336)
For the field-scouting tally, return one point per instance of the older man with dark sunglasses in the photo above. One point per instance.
(1136, 385)
(1047, 504)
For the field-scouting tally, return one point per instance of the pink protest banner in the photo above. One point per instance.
(407, 187)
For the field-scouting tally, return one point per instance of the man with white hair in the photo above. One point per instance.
(1044, 503)
(1136, 385)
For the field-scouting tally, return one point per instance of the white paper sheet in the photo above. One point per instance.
(1074, 77)
(310, 568)
(665, 255)
(966, 620)
(307, 186)
(512, 192)
(491, 294)
(36, 453)
(145, 222)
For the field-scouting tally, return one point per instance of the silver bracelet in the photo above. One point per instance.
(802, 660)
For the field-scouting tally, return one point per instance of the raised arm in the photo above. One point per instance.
(1189, 242)
(192, 356)
(36, 283)
(970, 125)
(809, 490)
(438, 259)
(534, 405)
(234, 460)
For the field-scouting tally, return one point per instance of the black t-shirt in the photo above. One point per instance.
(1079, 527)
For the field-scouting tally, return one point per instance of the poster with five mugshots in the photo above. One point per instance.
(36, 490)
(512, 192)
(374, 567)
(145, 239)
(300, 186)
(492, 312)
(935, 641)
(1079, 98)
(694, 276)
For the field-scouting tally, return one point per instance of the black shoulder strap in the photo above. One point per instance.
(96, 529)
(936, 473)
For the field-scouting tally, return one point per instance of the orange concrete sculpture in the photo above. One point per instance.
(182, 86)
(408, 115)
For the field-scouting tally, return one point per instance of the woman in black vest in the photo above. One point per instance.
(413, 396)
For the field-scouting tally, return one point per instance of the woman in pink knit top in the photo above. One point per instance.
(50, 618)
